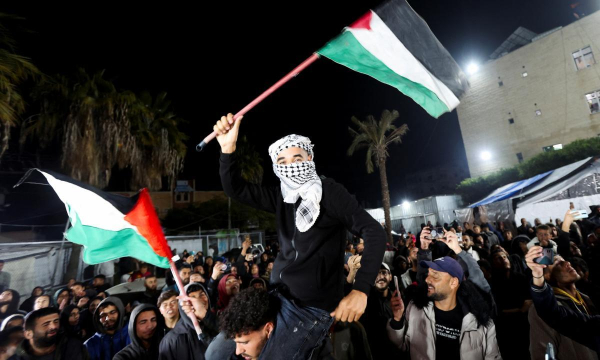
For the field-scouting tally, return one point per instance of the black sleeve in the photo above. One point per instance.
(213, 291)
(345, 207)
(260, 197)
(579, 327)
(422, 255)
(564, 244)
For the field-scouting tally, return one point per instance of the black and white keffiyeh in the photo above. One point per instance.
(299, 179)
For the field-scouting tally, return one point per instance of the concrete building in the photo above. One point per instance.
(538, 93)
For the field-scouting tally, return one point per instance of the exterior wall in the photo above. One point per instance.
(553, 85)
(165, 200)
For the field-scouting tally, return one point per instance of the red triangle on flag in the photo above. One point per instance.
(143, 216)
(364, 22)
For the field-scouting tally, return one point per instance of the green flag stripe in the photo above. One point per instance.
(105, 245)
(347, 51)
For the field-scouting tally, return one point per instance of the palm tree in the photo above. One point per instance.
(99, 127)
(371, 134)
(14, 70)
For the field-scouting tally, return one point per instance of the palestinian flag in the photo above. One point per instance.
(394, 45)
(110, 226)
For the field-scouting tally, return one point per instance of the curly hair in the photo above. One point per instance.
(248, 311)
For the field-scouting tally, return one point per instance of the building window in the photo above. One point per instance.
(520, 157)
(584, 58)
(538, 112)
(593, 100)
(552, 147)
(511, 121)
(500, 83)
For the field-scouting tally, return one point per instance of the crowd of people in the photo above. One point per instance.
(470, 282)
(333, 286)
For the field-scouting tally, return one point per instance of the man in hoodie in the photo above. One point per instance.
(44, 340)
(111, 334)
(146, 329)
(182, 343)
(313, 217)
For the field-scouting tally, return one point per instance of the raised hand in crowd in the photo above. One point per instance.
(537, 270)
(217, 270)
(353, 266)
(245, 246)
(425, 238)
(451, 239)
(227, 131)
(569, 219)
(397, 305)
(192, 306)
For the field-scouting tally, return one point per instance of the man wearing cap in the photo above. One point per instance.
(377, 315)
(313, 216)
(455, 320)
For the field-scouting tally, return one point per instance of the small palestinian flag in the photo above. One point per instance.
(394, 45)
(110, 226)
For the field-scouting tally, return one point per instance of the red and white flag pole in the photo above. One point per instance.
(264, 95)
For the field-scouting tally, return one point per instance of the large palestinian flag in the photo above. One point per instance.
(394, 45)
(110, 226)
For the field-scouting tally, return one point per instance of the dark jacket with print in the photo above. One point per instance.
(311, 263)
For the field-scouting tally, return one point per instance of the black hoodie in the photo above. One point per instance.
(136, 350)
(182, 343)
(311, 263)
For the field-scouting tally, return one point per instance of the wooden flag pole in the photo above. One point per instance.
(182, 295)
(262, 96)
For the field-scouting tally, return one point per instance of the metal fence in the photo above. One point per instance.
(50, 264)
(34, 264)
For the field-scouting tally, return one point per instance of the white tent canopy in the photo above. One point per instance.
(516, 200)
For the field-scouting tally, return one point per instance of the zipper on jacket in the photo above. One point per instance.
(293, 246)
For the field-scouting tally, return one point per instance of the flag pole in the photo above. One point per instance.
(263, 96)
(182, 295)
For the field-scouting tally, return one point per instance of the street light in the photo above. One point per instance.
(472, 68)
(405, 203)
(485, 155)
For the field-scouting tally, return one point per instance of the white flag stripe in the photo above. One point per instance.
(382, 43)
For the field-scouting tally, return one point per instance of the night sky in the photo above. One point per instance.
(215, 58)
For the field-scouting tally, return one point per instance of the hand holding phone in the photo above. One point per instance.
(547, 257)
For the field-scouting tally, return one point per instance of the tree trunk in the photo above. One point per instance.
(385, 193)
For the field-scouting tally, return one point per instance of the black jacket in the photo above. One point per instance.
(135, 350)
(581, 328)
(311, 263)
(182, 343)
(68, 348)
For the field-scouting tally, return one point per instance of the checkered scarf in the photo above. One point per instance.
(299, 179)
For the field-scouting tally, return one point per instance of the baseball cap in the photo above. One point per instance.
(445, 264)
(385, 266)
